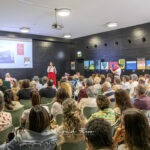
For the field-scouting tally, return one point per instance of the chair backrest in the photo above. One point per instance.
(88, 111)
(4, 134)
(59, 119)
(27, 103)
(16, 116)
(49, 105)
(74, 146)
(7, 84)
(45, 100)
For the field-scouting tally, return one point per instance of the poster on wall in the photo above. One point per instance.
(113, 65)
(104, 66)
(148, 64)
(73, 65)
(122, 62)
(131, 65)
(86, 64)
(91, 64)
(97, 64)
(140, 63)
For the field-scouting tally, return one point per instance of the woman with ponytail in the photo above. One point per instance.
(35, 100)
(73, 123)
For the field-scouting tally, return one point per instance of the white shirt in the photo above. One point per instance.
(118, 72)
(132, 88)
(56, 109)
(126, 85)
(51, 69)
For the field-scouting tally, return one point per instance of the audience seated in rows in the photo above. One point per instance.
(10, 104)
(37, 83)
(67, 87)
(35, 100)
(90, 101)
(109, 93)
(73, 123)
(117, 84)
(49, 91)
(98, 135)
(134, 132)
(5, 117)
(39, 136)
(82, 93)
(97, 85)
(143, 101)
(44, 81)
(61, 95)
(103, 110)
(24, 93)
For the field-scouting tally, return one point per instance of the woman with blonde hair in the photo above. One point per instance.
(73, 123)
(67, 87)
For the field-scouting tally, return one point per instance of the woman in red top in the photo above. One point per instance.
(52, 72)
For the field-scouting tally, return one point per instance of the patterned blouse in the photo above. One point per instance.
(5, 120)
(108, 114)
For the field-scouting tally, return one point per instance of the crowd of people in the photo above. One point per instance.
(120, 121)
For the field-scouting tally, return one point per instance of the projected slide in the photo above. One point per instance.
(104, 66)
(141, 63)
(113, 65)
(15, 53)
(122, 63)
(97, 64)
(91, 64)
(86, 64)
(148, 64)
(131, 65)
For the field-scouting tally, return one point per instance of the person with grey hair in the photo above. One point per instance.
(90, 101)
(44, 80)
(109, 93)
(82, 93)
(38, 85)
(5, 117)
(125, 83)
(133, 85)
(143, 101)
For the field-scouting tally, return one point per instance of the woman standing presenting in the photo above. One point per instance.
(52, 72)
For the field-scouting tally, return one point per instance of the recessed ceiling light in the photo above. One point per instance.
(67, 36)
(24, 30)
(63, 12)
(111, 24)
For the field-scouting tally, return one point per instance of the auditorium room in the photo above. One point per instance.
(74, 75)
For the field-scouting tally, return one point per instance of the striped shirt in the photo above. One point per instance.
(110, 95)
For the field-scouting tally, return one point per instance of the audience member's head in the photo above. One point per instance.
(8, 98)
(97, 80)
(1, 82)
(108, 79)
(126, 78)
(81, 78)
(50, 83)
(89, 82)
(15, 84)
(25, 84)
(20, 83)
(1, 101)
(134, 77)
(70, 78)
(122, 100)
(73, 119)
(44, 80)
(102, 102)
(117, 81)
(39, 119)
(140, 90)
(102, 77)
(90, 91)
(33, 85)
(36, 78)
(98, 134)
(7, 75)
(137, 130)
(61, 95)
(63, 79)
(106, 86)
(35, 98)
(141, 81)
(68, 88)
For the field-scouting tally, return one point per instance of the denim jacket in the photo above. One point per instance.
(29, 140)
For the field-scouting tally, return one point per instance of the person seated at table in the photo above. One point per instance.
(39, 136)
(24, 93)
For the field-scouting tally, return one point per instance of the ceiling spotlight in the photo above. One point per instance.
(24, 30)
(63, 12)
(111, 24)
(67, 36)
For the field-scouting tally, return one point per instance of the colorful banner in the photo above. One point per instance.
(113, 65)
(122, 62)
(86, 64)
(91, 64)
(140, 63)
(104, 65)
(131, 65)
(97, 64)
(148, 64)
